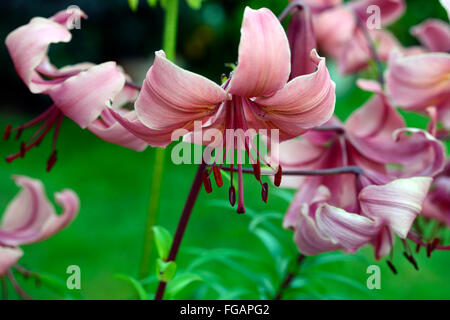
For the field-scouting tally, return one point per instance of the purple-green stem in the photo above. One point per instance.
(182, 224)
(289, 277)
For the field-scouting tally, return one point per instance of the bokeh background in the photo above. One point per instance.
(114, 183)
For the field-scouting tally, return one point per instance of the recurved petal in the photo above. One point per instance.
(69, 17)
(264, 55)
(110, 130)
(70, 203)
(309, 239)
(30, 217)
(305, 102)
(433, 34)
(348, 229)
(28, 46)
(83, 97)
(155, 138)
(395, 204)
(418, 81)
(171, 97)
(8, 258)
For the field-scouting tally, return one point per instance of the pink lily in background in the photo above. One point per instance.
(30, 218)
(383, 210)
(340, 32)
(256, 96)
(373, 138)
(420, 81)
(434, 35)
(79, 92)
(437, 203)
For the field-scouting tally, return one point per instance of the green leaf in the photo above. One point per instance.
(165, 271)
(135, 283)
(194, 4)
(152, 3)
(133, 5)
(180, 282)
(163, 241)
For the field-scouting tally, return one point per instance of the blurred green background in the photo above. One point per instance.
(114, 183)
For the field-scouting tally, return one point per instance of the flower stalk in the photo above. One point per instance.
(182, 224)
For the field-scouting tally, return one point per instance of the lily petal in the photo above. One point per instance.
(418, 81)
(348, 229)
(305, 102)
(82, 97)
(172, 97)
(28, 46)
(30, 217)
(8, 258)
(155, 138)
(110, 130)
(264, 56)
(309, 239)
(433, 34)
(397, 203)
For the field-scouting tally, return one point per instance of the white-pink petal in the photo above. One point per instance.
(264, 55)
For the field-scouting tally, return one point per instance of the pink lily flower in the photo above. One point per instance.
(421, 81)
(339, 34)
(385, 209)
(373, 138)
(30, 218)
(256, 96)
(433, 34)
(437, 203)
(71, 88)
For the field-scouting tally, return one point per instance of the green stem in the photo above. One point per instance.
(169, 47)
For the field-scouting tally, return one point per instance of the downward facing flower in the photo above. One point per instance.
(79, 92)
(320, 226)
(421, 81)
(373, 138)
(257, 95)
(31, 218)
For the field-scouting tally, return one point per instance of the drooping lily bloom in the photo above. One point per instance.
(437, 203)
(30, 217)
(339, 32)
(434, 35)
(79, 92)
(373, 138)
(420, 81)
(383, 210)
(257, 95)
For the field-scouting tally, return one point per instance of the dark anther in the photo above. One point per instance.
(217, 176)
(265, 192)
(7, 132)
(51, 161)
(411, 259)
(257, 170)
(207, 182)
(19, 132)
(232, 195)
(391, 266)
(23, 149)
(278, 175)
